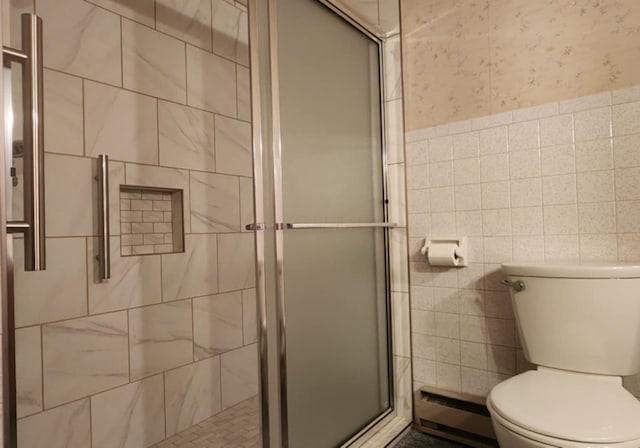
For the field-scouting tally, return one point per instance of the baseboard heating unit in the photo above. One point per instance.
(462, 418)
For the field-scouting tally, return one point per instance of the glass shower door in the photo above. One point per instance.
(332, 221)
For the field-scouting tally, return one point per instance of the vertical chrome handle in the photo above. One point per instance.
(33, 225)
(104, 257)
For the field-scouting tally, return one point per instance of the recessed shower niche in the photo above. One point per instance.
(150, 220)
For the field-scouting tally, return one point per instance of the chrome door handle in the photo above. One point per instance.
(104, 257)
(33, 226)
(518, 285)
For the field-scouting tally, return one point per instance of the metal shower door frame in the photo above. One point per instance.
(267, 165)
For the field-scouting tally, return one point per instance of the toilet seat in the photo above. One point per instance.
(575, 408)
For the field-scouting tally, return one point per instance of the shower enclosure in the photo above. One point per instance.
(150, 299)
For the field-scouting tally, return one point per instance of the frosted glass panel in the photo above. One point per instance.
(334, 279)
(330, 111)
(337, 378)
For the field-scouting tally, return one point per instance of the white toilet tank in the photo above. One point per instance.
(582, 318)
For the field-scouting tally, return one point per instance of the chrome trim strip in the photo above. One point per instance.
(104, 257)
(9, 402)
(278, 216)
(257, 145)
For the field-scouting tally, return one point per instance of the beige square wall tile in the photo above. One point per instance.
(239, 375)
(192, 273)
(62, 427)
(215, 203)
(189, 20)
(28, 371)
(69, 177)
(129, 416)
(152, 62)
(135, 281)
(217, 324)
(84, 356)
(230, 32)
(63, 128)
(233, 147)
(211, 82)
(186, 137)
(236, 269)
(81, 39)
(57, 293)
(121, 124)
(139, 10)
(192, 394)
(160, 338)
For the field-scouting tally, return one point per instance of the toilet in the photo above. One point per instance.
(580, 325)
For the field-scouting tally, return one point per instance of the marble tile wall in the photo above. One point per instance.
(556, 182)
(161, 87)
(471, 59)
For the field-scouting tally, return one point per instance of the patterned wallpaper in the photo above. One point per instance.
(470, 58)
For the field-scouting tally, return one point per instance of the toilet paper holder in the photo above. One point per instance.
(460, 252)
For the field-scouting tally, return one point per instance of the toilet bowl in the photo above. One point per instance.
(581, 326)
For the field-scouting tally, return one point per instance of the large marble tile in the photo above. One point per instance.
(211, 82)
(84, 356)
(403, 393)
(28, 371)
(59, 292)
(239, 370)
(366, 10)
(63, 128)
(246, 203)
(139, 10)
(69, 177)
(217, 324)
(188, 20)
(135, 281)
(66, 426)
(186, 137)
(446, 61)
(249, 316)
(160, 338)
(81, 39)
(130, 416)
(233, 147)
(192, 394)
(192, 273)
(244, 93)
(121, 124)
(153, 63)
(389, 16)
(215, 203)
(392, 69)
(230, 31)
(236, 266)
(154, 176)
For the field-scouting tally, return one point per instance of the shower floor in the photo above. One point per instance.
(236, 427)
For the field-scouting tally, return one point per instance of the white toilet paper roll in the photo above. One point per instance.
(443, 255)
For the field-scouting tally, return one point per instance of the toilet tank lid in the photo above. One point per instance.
(591, 270)
(573, 407)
